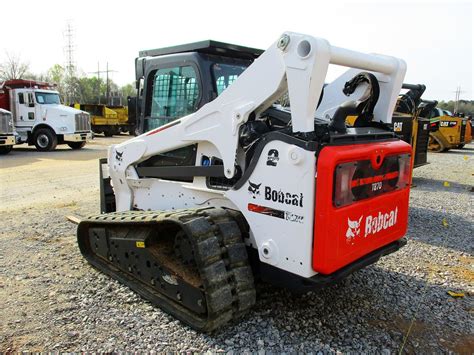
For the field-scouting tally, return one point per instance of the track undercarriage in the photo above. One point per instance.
(191, 263)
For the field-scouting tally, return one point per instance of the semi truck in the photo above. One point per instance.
(40, 119)
(7, 132)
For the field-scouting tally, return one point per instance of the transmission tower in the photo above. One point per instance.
(70, 64)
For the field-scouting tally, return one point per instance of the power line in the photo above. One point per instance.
(98, 72)
(457, 98)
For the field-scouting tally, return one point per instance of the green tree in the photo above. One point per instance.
(464, 106)
(56, 75)
(128, 90)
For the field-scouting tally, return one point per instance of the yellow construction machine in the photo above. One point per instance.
(109, 120)
(454, 132)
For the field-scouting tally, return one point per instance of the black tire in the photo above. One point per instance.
(108, 132)
(76, 145)
(5, 149)
(45, 140)
(461, 146)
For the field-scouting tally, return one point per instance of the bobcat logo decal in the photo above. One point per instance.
(254, 189)
(353, 229)
(118, 155)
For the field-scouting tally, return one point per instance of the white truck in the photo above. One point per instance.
(40, 119)
(7, 132)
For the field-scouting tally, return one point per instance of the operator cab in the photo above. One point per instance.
(173, 82)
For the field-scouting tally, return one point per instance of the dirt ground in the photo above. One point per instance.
(51, 299)
(37, 190)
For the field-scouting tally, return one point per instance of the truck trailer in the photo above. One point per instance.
(39, 117)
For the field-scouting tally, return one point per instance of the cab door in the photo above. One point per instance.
(26, 114)
(173, 92)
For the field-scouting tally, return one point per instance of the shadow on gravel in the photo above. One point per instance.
(372, 309)
(426, 184)
(426, 225)
(24, 156)
(464, 151)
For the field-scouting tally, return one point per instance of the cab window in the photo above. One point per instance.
(175, 93)
(225, 75)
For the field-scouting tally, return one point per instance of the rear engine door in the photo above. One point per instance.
(362, 193)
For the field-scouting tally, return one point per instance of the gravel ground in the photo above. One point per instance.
(52, 300)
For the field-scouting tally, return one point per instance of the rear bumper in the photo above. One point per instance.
(299, 284)
(78, 137)
(7, 140)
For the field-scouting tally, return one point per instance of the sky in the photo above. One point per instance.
(435, 38)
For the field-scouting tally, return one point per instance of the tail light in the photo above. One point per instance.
(405, 171)
(359, 180)
(342, 187)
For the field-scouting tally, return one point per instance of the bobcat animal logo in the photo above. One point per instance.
(353, 229)
(254, 189)
(118, 155)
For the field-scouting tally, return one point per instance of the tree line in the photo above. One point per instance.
(92, 90)
(72, 86)
(464, 106)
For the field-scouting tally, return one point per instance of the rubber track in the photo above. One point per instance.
(219, 252)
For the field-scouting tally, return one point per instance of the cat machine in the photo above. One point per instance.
(454, 131)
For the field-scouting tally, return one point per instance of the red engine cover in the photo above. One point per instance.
(345, 234)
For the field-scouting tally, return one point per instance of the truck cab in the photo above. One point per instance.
(39, 117)
(7, 132)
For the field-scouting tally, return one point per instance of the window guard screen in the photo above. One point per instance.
(175, 94)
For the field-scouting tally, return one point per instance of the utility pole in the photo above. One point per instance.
(98, 72)
(457, 98)
(107, 85)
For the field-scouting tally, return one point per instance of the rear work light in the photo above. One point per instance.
(359, 180)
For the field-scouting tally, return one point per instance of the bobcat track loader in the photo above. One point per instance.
(225, 187)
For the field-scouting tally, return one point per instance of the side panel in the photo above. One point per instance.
(450, 128)
(422, 137)
(468, 138)
(345, 234)
(278, 203)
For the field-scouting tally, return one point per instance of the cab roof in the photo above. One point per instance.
(27, 84)
(206, 47)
